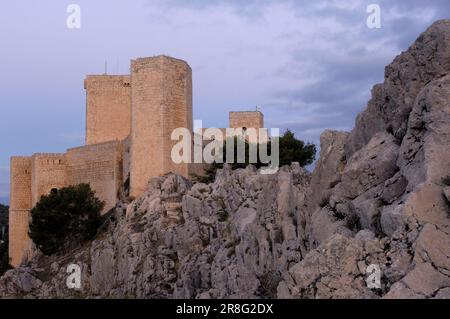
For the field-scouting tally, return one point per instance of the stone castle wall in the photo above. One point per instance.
(20, 204)
(100, 166)
(48, 171)
(108, 108)
(161, 102)
(246, 120)
(20, 195)
(129, 122)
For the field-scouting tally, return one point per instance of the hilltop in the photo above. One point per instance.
(379, 197)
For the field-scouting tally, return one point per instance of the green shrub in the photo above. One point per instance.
(65, 219)
(291, 150)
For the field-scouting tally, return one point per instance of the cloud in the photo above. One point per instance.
(309, 64)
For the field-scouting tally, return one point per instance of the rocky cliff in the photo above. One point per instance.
(379, 195)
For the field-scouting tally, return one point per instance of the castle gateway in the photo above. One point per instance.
(129, 120)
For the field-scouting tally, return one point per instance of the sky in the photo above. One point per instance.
(308, 65)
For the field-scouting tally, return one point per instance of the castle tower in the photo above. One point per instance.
(20, 205)
(247, 119)
(108, 108)
(161, 101)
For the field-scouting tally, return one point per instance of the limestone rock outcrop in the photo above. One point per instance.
(379, 198)
(388, 185)
(232, 238)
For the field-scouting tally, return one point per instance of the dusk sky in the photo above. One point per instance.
(309, 65)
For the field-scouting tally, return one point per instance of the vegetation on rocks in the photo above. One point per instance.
(65, 218)
(291, 150)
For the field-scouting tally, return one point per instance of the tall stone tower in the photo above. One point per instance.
(108, 108)
(161, 101)
(247, 119)
(20, 205)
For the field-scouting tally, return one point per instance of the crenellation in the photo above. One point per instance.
(48, 172)
(20, 195)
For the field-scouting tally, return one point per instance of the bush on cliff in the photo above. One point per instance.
(291, 150)
(65, 218)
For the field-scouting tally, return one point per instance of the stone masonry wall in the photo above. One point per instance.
(20, 197)
(129, 122)
(247, 120)
(20, 205)
(100, 166)
(161, 102)
(108, 108)
(48, 171)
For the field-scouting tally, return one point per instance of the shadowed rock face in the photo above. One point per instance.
(426, 60)
(389, 187)
(379, 195)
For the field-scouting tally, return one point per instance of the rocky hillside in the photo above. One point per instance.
(379, 195)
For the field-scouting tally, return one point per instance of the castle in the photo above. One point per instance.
(129, 120)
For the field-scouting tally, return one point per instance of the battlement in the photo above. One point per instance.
(106, 82)
(48, 172)
(49, 159)
(146, 62)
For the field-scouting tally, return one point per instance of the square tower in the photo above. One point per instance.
(247, 119)
(161, 101)
(108, 108)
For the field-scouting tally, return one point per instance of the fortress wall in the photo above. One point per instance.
(20, 195)
(108, 108)
(161, 101)
(100, 166)
(19, 242)
(48, 171)
(246, 119)
(20, 205)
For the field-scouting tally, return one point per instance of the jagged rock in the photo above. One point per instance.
(330, 271)
(232, 238)
(370, 166)
(392, 218)
(425, 280)
(426, 60)
(393, 188)
(446, 193)
(329, 167)
(433, 246)
(378, 196)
